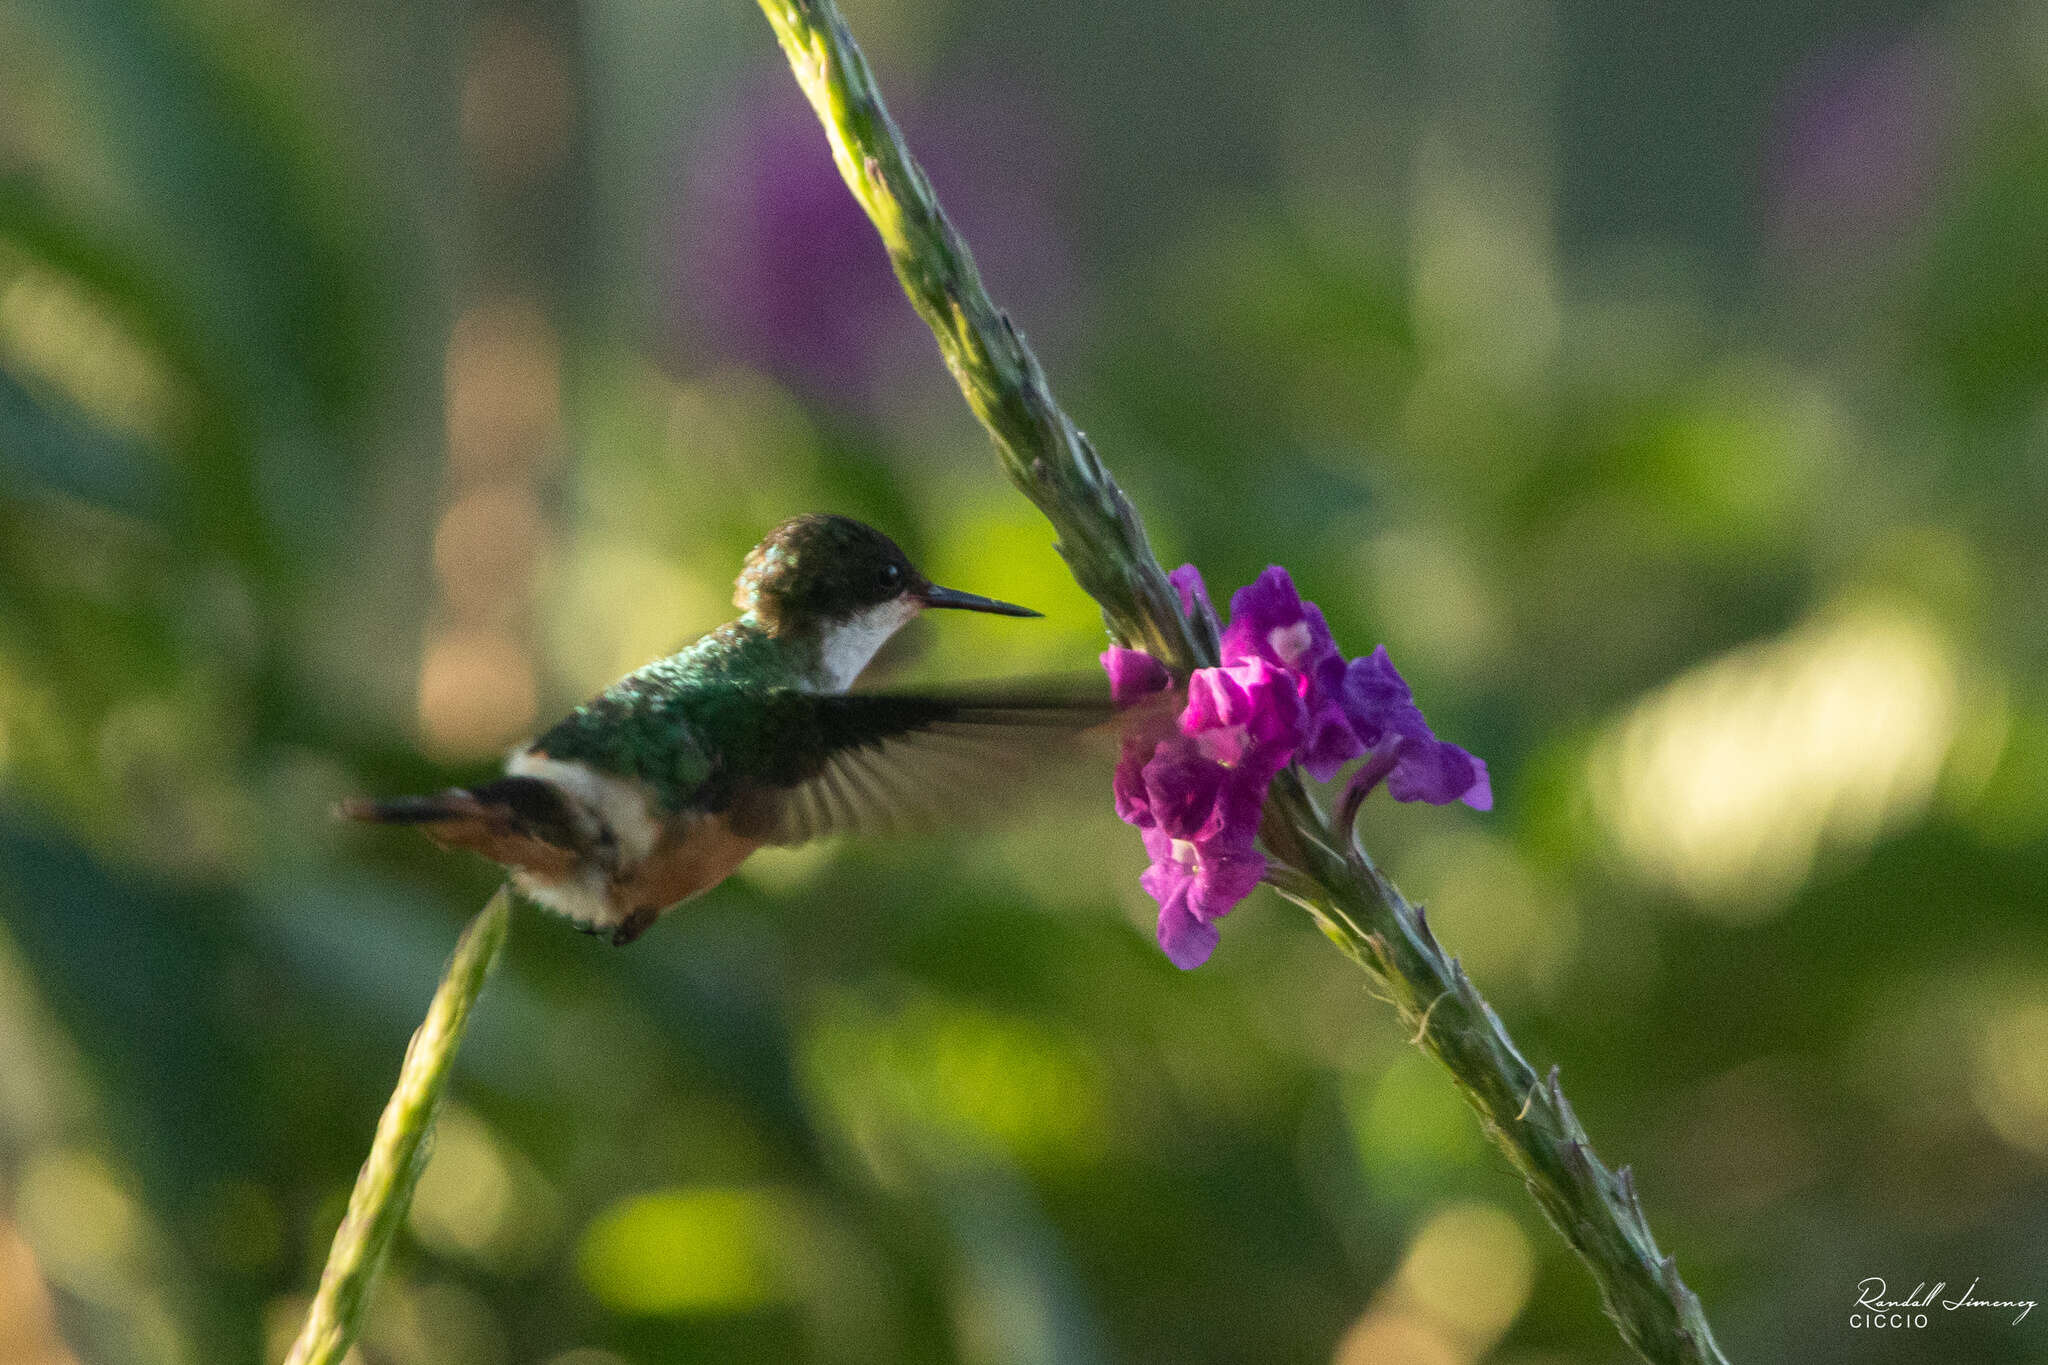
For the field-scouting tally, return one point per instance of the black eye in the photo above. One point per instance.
(891, 575)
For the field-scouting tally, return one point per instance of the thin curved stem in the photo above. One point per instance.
(398, 1153)
(1318, 866)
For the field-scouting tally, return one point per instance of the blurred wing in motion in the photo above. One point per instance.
(900, 762)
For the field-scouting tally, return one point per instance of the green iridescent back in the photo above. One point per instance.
(688, 725)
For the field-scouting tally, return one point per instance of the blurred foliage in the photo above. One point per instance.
(369, 387)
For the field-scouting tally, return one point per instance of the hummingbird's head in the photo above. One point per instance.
(845, 580)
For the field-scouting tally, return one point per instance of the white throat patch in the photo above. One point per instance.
(847, 646)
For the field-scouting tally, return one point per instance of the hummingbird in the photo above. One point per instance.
(658, 788)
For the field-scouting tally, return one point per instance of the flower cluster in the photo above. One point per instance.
(1193, 783)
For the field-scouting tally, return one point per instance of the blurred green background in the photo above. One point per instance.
(1664, 386)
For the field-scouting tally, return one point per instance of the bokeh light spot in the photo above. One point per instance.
(1471, 1269)
(476, 691)
(486, 540)
(478, 1199)
(28, 1319)
(1408, 1124)
(2010, 1082)
(63, 336)
(1727, 783)
(432, 1324)
(504, 389)
(1381, 1337)
(962, 1077)
(1508, 920)
(518, 101)
(87, 1231)
(705, 1250)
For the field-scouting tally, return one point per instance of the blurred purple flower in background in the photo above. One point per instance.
(779, 269)
(1858, 141)
(1194, 783)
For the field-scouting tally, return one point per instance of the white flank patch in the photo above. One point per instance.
(619, 804)
(582, 897)
(848, 646)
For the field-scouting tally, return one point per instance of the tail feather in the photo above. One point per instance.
(521, 822)
(452, 804)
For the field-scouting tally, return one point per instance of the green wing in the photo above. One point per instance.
(891, 762)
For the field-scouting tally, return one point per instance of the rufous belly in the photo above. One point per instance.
(690, 857)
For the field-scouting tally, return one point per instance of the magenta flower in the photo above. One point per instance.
(1133, 675)
(1244, 715)
(1196, 884)
(1268, 620)
(1200, 821)
(1416, 765)
(1205, 779)
(1195, 785)
(1196, 790)
(1189, 795)
(1194, 593)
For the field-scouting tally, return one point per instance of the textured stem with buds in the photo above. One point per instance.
(399, 1151)
(1317, 864)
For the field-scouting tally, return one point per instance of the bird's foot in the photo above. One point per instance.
(634, 925)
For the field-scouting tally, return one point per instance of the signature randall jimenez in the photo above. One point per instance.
(1876, 1310)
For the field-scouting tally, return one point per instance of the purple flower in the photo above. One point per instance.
(1189, 795)
(1861, 139)
(1196, 789)
(1268, 620)
(1200, 821)
(1245, 715)
(1133, 674)
(774, 265)
(1127, 787)
(1196, 884)
(1416, 765)
(1194, 593)
(1195, 784)
(1203, 792)
(776, 258)
(1207, 779)
(1208, 782)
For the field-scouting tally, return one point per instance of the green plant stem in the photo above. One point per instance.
(1318, 867)
(399, 1151)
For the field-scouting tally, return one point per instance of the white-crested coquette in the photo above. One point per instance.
(659, 787)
